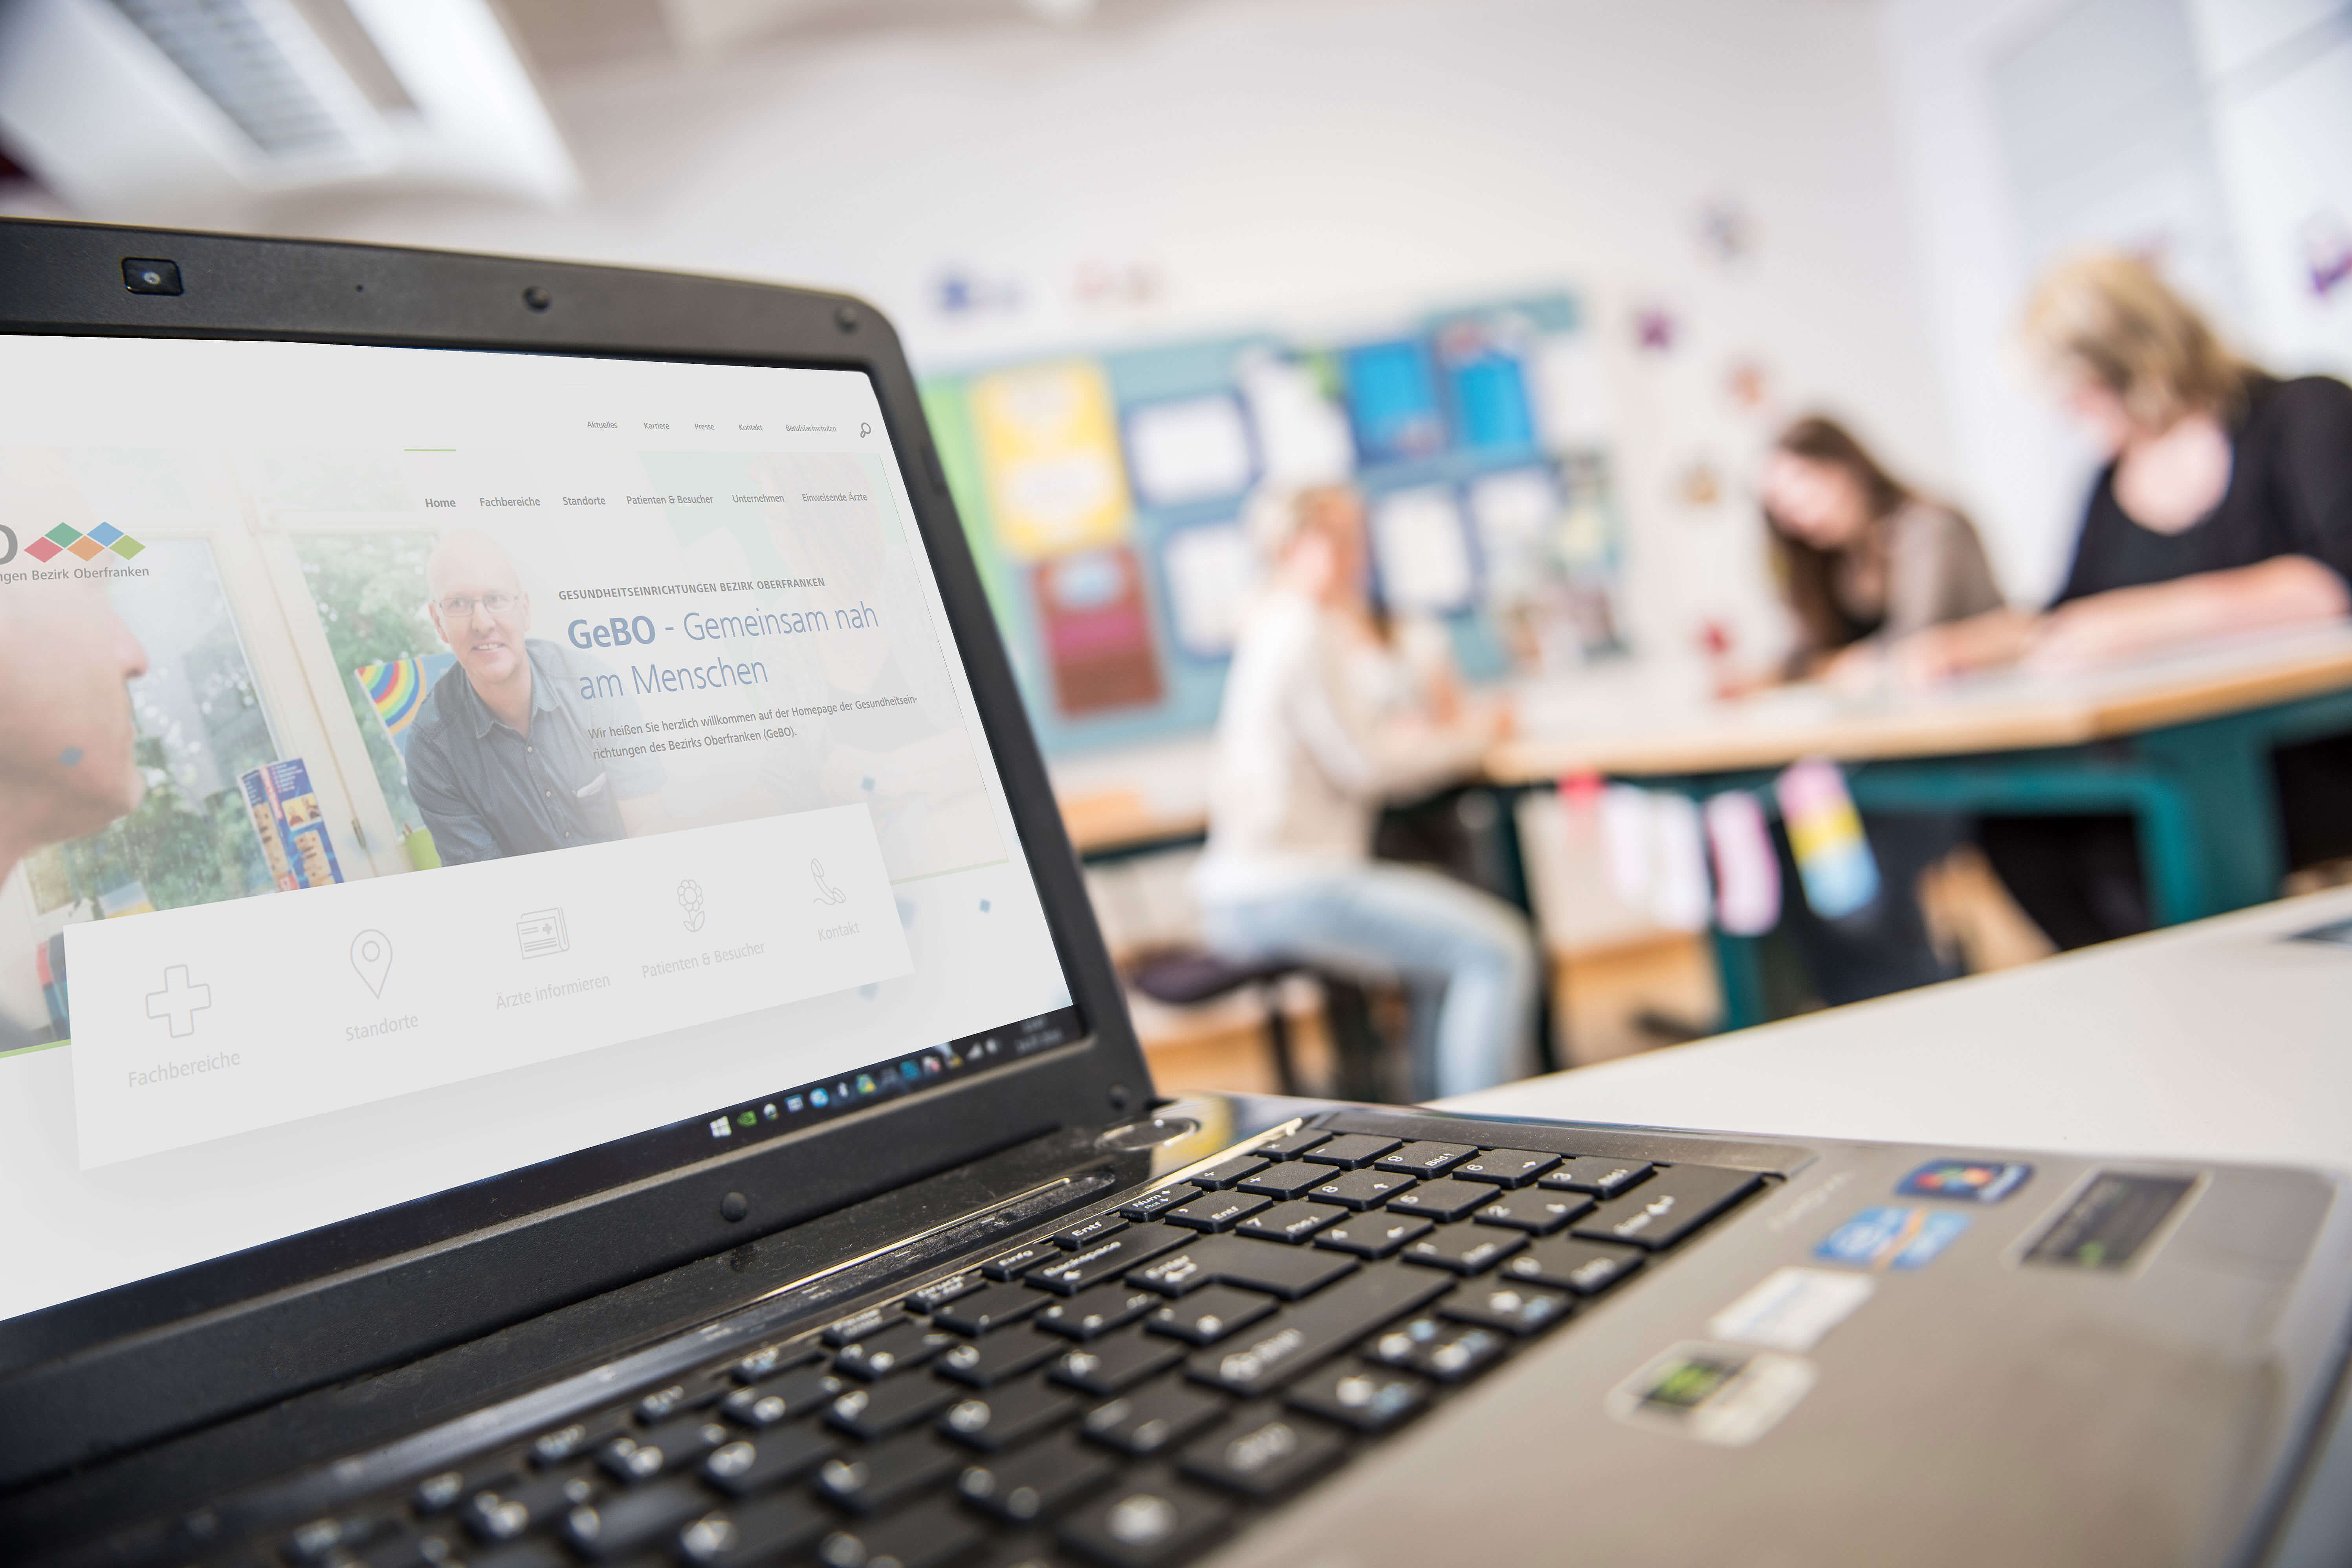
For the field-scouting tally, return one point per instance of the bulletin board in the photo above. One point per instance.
(1102, 494)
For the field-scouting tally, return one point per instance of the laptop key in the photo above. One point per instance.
(1009, 1416)
(860, 1325)
(1520, 1310)
(1446, 1352)
(1151, 1204)
(1262, 1453)
(928, 1536)
(763, 1364)
(428, 1550)
(1668, 1206)
(875, 1478)
(755, 1532)
(1151, 1520)
(1586, 1268)
(503, 1513)
(1373, 1234)
(1071, 1272)
(998, 1357)
(1352, 1150)
(1291, 1222)
(1316, 1329)
(579, 1438)
(1227, 1173)
(1506, 1167)
(1602, 1178)
(1115, 1362)
(940, 1292)
(1207, 1316)
(873, 1413)
(1186, 1268)
(640, 1458)
(1465, 1249)
(1294, 1145)
(749, 1466)
(1426, 1158)
(1154, 1416)
(907, 1342)
(1099, 1310)
(1368, 1398)
(1216, 1211)
(1087, 1231)
(1288, 1180)
(990, 1307)
(1021, 1259)
(1361, 1189)
(1284, 1271)
(1035, 1481)
(538, 1553)
(1445, 1199)
(620, 1524)
(1537, 1212)
(779, 1399)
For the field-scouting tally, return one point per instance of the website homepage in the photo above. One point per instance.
(415, 766)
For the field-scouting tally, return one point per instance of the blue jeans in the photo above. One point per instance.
(1466, 957)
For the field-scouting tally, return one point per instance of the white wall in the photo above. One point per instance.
(1294, 162)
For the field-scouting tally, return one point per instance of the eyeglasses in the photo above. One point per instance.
(458, 606)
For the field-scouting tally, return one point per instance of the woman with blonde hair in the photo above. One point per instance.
(2226, 506)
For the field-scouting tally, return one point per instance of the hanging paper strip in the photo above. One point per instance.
(1833, 860)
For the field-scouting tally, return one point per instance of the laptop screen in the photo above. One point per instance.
(420, 764)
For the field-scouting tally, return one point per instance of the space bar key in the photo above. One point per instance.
(1316, 1329)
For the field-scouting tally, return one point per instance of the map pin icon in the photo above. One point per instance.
(371, 956)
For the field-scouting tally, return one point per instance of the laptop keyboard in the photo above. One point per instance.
(1123, 1393)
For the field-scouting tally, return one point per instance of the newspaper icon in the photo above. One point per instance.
(541, 933)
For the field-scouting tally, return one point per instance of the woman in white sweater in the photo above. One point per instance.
(1305, 757)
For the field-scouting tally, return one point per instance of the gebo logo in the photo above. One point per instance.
(67, 540)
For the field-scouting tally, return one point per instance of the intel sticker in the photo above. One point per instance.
(1892, 1236)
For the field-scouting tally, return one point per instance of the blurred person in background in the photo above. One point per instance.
(1311, 740)
(67, 765)
(2225, 506)
(1865, 561)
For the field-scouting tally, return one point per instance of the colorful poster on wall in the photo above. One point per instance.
(1048, 439)
(1190, 450)
(1210, 572)
(1097, 632)
(396, 689)
(1420, 551)
(1393, 399)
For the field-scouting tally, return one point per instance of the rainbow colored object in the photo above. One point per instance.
(1834, 863)
(398, 687)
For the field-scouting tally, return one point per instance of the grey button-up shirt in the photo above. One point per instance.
(487, 791)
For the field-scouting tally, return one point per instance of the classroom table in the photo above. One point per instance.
(2181, 743)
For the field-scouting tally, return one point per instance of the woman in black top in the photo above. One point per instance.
(2228, 506)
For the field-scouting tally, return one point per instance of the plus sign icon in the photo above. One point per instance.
(179, 1002)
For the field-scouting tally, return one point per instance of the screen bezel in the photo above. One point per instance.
(175, 1350)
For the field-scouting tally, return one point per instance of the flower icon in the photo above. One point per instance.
(689, 898)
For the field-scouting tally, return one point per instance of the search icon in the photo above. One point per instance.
(864, 431)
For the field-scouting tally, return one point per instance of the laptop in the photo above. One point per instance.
(559, 1025)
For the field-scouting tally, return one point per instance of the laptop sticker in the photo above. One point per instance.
(1892, 1236)
(1716, 1394)
(1982, 1181)
(2110, 1221)
(1792, 1309)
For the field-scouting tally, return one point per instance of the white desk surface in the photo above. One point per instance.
(2218, 1040)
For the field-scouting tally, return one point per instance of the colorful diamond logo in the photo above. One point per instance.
(67, 539)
